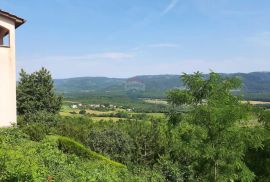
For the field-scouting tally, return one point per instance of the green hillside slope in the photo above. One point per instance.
(255, 85)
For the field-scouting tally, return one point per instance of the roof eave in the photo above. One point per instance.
(18, 21)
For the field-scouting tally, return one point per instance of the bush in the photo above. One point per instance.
(76, 128)
(41, 117)
(68, 145)
(122, 114)
(111, 141)
(82, 112)
(25, 160)
(36, 131)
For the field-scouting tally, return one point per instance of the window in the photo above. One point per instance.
(4, 37)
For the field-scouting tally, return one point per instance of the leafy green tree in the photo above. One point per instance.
(35, 92)
(170, 170)
(149, 140)
(210, 139)
(259, 159)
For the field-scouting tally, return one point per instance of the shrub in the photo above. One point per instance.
(43, 117)
(121, 114)
(68, 145)
(25, 160)
(36, 131)
(111, 141)
(76, 128)
(82, 112)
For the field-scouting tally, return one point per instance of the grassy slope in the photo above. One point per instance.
(57, 158)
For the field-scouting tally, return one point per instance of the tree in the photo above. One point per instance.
(259, 159)
(35, 93)
(211, 137)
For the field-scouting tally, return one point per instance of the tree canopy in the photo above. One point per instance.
(212, 137)
(35, 92)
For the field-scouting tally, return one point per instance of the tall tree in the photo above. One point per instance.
(35, 92)
(210, 139)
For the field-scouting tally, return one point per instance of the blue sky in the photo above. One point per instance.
(123, 38)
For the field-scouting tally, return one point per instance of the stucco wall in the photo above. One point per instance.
(8, 78)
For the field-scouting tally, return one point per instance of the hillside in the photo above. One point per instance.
(255, 85)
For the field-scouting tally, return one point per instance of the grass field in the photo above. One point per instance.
(67, 111)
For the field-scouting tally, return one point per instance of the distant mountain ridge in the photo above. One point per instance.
(156, 85)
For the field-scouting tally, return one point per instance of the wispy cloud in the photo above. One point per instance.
(170, 6)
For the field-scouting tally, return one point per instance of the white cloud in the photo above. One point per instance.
(172, 4)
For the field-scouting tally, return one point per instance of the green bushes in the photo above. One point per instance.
(36, 131)
(82, 112)
(199, 144)
(111, 141)
(70, 146)
(41, 117)
(76, 128)
(37, 125)
(25, 160)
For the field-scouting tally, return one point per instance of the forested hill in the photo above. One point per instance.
(256, 84)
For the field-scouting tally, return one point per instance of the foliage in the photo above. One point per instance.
(149, 140)
(76, 128)
(170, 170)
(25, 160)
(258, 159)
(82, 112)
(35, 92)
(208, 139)
(207, 135)
(68, 145)
(36, 131)
(111, 141)
(42, 117)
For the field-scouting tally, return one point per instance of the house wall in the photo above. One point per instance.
(8, 113)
